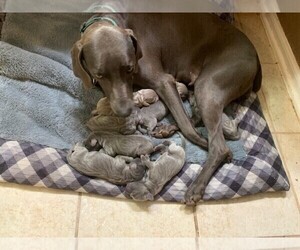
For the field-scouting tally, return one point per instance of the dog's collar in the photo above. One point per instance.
(96, 19)
(96, 7)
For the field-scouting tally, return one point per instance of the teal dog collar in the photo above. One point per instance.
(96, 19)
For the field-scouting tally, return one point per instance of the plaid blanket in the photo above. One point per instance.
(260, 171)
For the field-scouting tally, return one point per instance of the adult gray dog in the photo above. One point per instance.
(156, 50)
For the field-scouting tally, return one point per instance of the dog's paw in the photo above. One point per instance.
(194, 194)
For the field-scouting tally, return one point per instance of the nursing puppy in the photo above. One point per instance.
(182, 90)
(144, 97)
(229, 126)
(160, 172)
(119, 170)
(114, 144)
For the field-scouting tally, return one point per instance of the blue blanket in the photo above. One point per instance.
(41, 101)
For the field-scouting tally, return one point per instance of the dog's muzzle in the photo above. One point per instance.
(122, 107)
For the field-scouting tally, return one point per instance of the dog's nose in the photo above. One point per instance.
(122, 108)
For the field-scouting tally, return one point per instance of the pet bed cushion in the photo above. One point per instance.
(35, 71)
(260, 171)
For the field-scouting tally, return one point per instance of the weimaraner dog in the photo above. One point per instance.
(156, 50)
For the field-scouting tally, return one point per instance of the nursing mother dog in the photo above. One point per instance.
(157, 50)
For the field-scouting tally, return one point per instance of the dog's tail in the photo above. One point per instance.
(258, 77)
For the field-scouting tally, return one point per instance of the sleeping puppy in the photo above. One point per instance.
(114, 144)
(160, 172)
(103, 108)
(164, 130)
(149, 116)
(119, 170)
(145, 97)
(105, 120)
(229, 126)
(113, 124)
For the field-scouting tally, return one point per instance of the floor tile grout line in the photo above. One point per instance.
(268, 110)
(196, 221)
(280, 236)
(78, 215)
(196, 227)
(287, 172)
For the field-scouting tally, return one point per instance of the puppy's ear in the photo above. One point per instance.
(138, 51)
(78, 67)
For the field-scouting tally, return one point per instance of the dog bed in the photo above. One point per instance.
(38, 89)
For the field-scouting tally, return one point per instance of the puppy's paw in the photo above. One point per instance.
(145, 158)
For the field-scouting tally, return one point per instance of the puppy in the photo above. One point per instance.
(229, 126)
(105, 120)
(113, 124)
(145, 97)
(114, 144)
(119, 170)
(160, 172)
(182, 90)
(149, 116)
(164, 130)
(103, 108)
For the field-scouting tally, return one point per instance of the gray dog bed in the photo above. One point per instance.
(42, 103)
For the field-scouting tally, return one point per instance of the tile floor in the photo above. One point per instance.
(36, 212)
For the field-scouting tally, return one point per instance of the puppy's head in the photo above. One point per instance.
(107, 55)
(138, 191)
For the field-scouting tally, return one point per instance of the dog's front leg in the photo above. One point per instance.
(167, 91)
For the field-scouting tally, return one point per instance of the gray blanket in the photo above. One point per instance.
(41, 101)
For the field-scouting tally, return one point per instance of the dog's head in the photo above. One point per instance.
(108, 55)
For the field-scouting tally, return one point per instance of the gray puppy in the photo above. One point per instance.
(229, 126)
(105, 120)
(145, 97)
(182, 90)
(114, 144)
(160, 172)
(118, 170)
(164, 130)
(146, 118)
(113, 124)
(149, 116)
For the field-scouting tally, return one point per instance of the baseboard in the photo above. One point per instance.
(285, 57)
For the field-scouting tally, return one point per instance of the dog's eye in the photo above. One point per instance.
(130, 69)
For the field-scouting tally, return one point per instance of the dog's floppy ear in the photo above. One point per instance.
(78, 67)
(138, 51)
